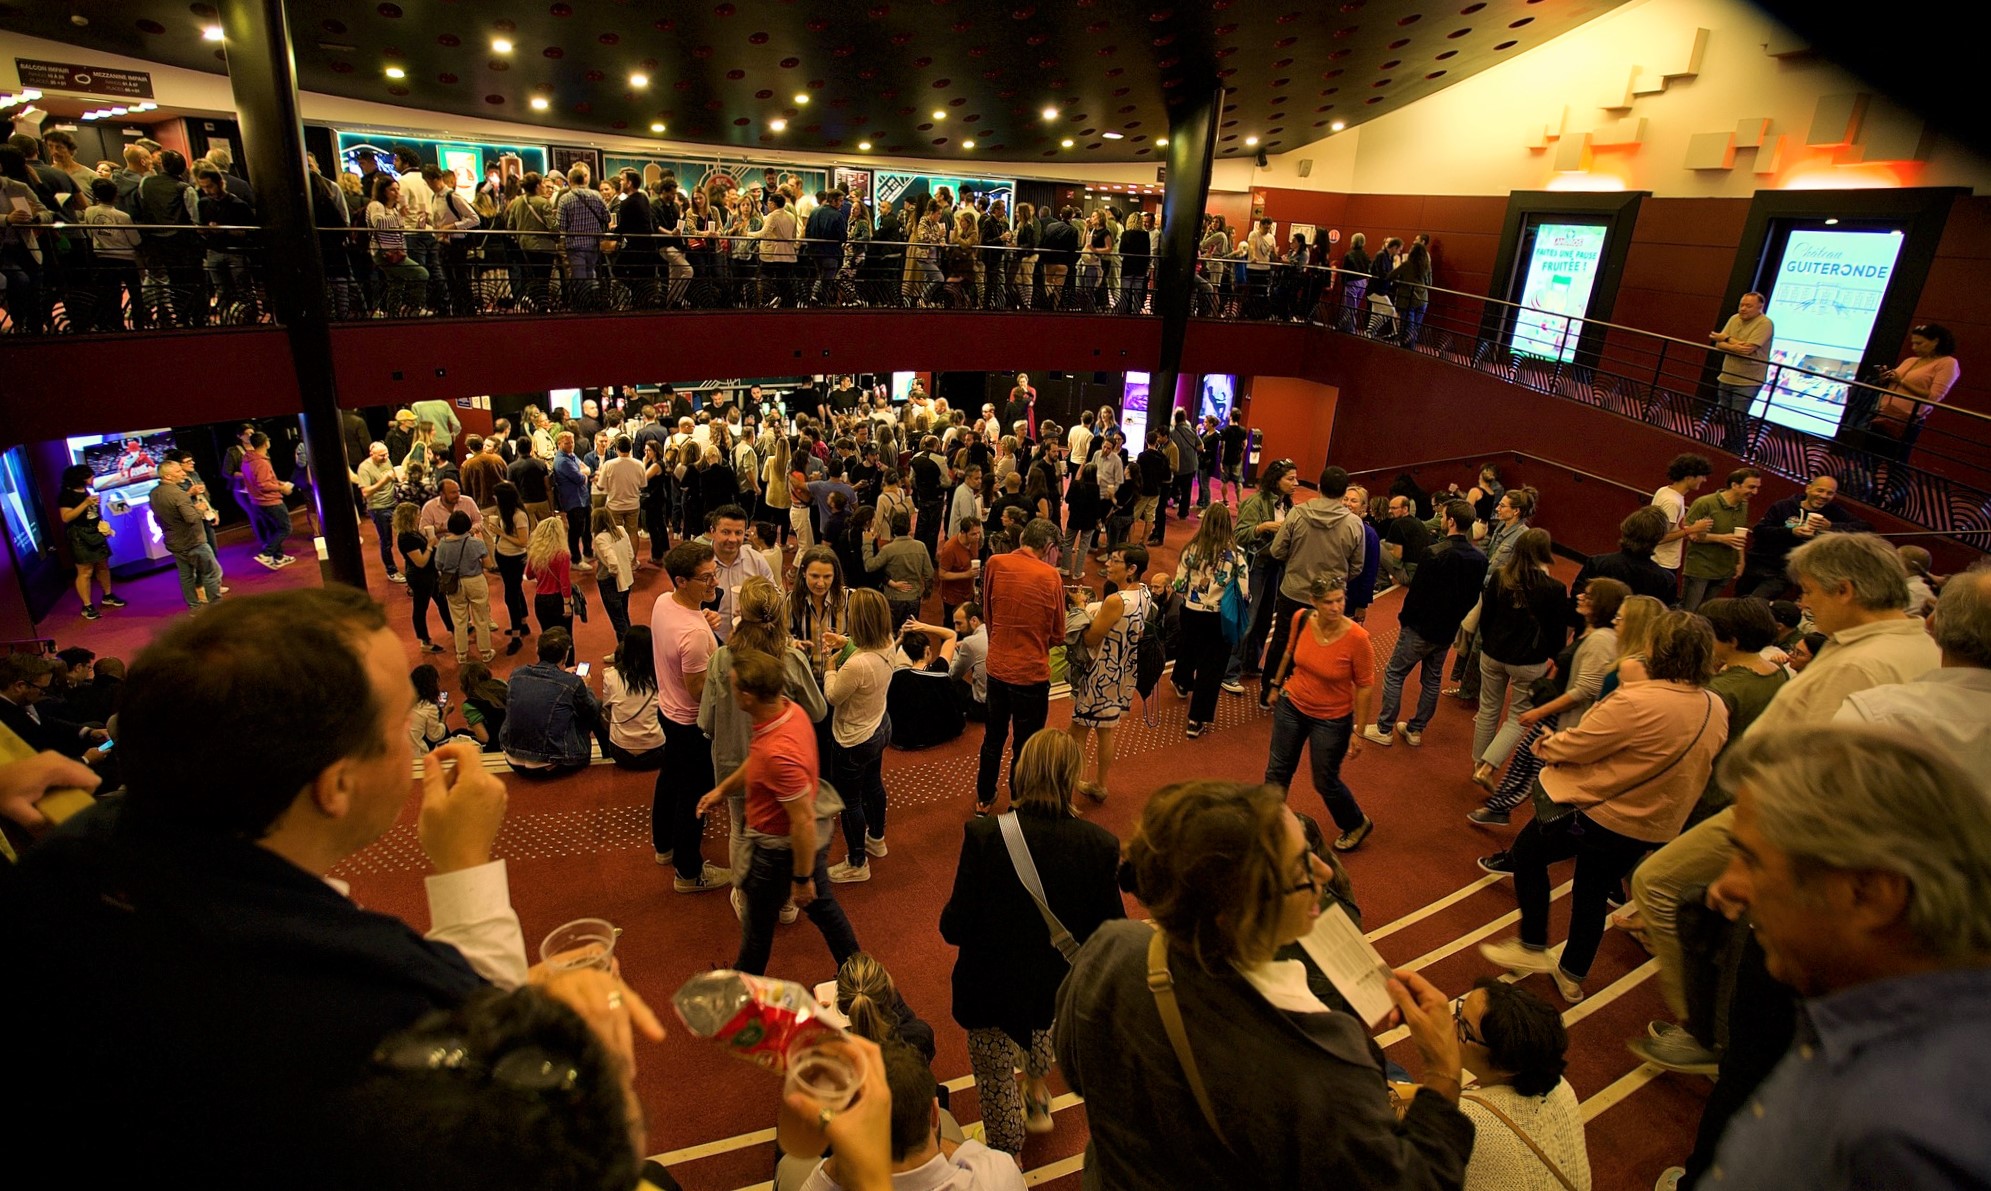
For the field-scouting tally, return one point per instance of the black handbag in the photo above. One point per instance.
(1548, 810)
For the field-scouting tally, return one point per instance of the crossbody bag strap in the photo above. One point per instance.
(1026, 871)
(1521, 1133)
(1707, 713)
(1162, 985)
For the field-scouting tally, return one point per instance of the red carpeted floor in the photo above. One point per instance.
(580, 847)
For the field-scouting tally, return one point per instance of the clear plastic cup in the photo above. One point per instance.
(824, 1069)
(582, 943)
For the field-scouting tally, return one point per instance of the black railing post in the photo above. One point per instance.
(1192, 138)
(262, 73)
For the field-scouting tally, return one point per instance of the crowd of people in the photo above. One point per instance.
(1782, 800)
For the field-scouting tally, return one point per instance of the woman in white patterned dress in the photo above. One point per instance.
(1104, 692)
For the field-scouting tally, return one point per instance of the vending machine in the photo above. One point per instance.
(124, 469)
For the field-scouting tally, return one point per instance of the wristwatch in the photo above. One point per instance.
(803, 880)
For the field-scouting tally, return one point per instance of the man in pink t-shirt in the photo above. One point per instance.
(681, 636)
(787, 835)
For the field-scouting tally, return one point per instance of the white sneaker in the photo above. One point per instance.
(846, 873)
(666, 857)
(1413, 739)
(1516, 957)
(739, 904)
(873, 846)
(1376, 737)
(790, 912)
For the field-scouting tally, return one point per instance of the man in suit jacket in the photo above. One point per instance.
(25, 679)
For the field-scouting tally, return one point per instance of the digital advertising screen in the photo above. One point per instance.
(469, 160)
(1134, 411)
(25, 528)
(567, 399)
(1823, 301)
(1218, 397)
(1555, 292)
(116, 460)
(890, 186)
(902, 385)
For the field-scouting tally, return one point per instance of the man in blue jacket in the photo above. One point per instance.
(550, 713)
(828, 225)
(570, 496)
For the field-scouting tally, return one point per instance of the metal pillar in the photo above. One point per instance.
(262, 72)
(1192, 140)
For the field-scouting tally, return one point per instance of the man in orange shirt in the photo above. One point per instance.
(1023, 605)
(960, 566)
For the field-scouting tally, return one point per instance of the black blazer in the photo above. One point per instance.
(1007, 974)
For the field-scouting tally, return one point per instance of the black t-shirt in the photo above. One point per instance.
(1411, 534)
(411, 543)
(1213, 450)
(1135, 245)
(1233, 437)
(926, 479)
(529, 475)
(1047, 474)
(1155, 475)
(844, 400)
(1015, 410)
(1101, 238)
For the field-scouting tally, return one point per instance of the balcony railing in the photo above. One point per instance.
(1800, 422)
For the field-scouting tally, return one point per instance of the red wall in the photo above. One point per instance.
(1296, 416)
(1464, 230)
(1954, 296)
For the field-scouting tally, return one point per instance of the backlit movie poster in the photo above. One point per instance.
(1827, 293)
(1562, 270)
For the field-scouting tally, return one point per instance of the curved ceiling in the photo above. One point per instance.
(954, 79)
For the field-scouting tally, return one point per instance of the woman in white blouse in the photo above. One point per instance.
(861, 730)
(629, 703)
(615, 567)
(1528, 1125)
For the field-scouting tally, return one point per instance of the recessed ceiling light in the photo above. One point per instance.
(657, 127)
(777, 125)
(939, 115)
(211, 33)
(1050, 113)
(1111, 136)
(538, 103)
(1251, 140)
(802, 99)
(1337, 126)
(1067, 142)
(971, 144)
(501, 45)
(1161, 142)
(639, 79)
(395, 72)
(864, 145)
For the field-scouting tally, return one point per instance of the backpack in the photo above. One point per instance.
(1150, 656)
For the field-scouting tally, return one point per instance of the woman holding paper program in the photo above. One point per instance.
(1160, 1023)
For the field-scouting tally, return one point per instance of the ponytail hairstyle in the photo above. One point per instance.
(763, 624)
(865, 994)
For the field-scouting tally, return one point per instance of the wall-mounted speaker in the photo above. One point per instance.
(1305, 167)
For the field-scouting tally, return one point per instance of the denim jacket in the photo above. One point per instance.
(549, 715)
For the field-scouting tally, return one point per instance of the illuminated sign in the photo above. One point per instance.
(1562, 270)
(1823, 303)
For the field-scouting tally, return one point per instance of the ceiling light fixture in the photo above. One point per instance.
(802, 99)
(1337, 126)
(501, 45)
(939, 115)
(1050, 113)
(1161, 142)
(658, 126)
(538, 103)
(778, 125)
(639, 79)
(211, 33)
(1251, 140)
(971, 144)
(1112, 136)
(864, 145)
(1067, 142)
(395, 72)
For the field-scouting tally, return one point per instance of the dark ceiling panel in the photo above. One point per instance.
(912, 77)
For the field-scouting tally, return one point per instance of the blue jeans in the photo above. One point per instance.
(1412, 650)
(383, 528)
(860, 777)
(198, 571)
(1695, 591)
(272, 524)
(615, 602)
(1328, 744)
(765, 889)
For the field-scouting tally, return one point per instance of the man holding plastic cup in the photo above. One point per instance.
(787, 817)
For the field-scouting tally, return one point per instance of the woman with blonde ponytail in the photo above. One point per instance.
(866, 996)
(550, 567)
(763, 628)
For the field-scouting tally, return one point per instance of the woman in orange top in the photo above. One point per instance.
(1914, 387)
(1326, 684)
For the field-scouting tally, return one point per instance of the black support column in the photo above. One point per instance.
(1192, 141)
(262, 71)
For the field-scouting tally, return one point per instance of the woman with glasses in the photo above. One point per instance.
(1528, 1126)
(1294, 1088)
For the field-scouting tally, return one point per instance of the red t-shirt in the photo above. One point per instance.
(781, 767)
(556, 579)
(1023, 604)
(1325, 677)
(955, 556)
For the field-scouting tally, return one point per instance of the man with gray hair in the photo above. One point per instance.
(1860, 864)
(1951, 704)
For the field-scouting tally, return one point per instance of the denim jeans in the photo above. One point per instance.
(272, 523)
(1014, 708)
(1411, 651)
(1733, 403)
(765, 889)
(198, 572)
(1695, 591)
(860, 779)
(1492, 739)
(615, 602)
(383, 528)
(1327, 741)
(1603, 857)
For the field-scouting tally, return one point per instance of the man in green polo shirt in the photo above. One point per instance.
(1715, 557)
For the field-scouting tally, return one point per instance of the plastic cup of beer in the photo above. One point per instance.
(825, 1069)
(582, 943)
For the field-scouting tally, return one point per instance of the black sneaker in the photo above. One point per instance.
(90, 612)
(1498, 864)
(111, 601)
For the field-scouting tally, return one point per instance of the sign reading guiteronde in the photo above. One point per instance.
(90, 80)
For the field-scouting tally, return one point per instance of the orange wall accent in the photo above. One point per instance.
(1296, 417)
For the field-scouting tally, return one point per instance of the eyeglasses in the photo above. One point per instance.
(1466, 1032)
(528, 1069)
(1310, 883)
